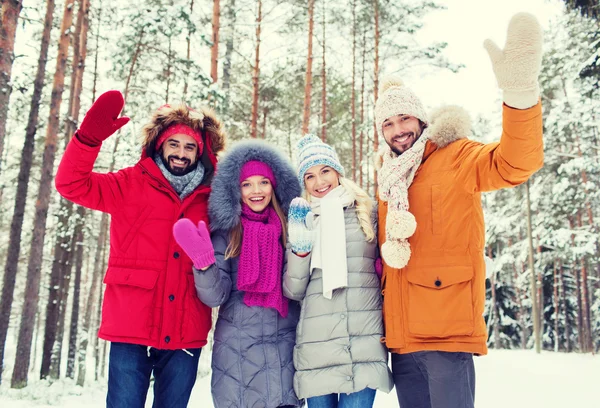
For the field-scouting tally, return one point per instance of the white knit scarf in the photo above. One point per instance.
(394, 178)
(329, 248)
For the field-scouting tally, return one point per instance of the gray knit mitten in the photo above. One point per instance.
(517, 66)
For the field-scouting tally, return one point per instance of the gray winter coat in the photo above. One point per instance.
(338, 341)
(252, 364)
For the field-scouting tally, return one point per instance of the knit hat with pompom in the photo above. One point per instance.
(395, 98)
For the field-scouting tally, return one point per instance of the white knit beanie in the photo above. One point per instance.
(397, 99)
(312, 152)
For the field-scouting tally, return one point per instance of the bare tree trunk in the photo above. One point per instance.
(362, 109)
(580, 329)
(255, 75)
(168, 69)
(563, 286)
(214, 50)
(353, 96)
(90, 302)
(16, 227)
(376, 82)
(97, 47)
(264, 122)
(43, 201)
(308, 80)
(555, 298)
(535, 306)
(8, 30)
(231, 16)
(324, 85)
(519, 300)
(61, 267)
(585, 298)
(63, 297)
(188, 61)
(540, 294)
(98, 358)
(577, 289)
(74, 325)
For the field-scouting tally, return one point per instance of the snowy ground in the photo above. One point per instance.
(504, 379)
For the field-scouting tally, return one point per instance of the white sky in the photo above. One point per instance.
(464, 25)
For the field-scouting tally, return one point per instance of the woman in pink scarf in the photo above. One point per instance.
(239, 267)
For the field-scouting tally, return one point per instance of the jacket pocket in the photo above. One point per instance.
(127, 310)
(196, 320)
(440, 301)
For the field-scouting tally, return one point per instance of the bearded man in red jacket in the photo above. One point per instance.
(150, 314)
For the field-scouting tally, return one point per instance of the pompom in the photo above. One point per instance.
(400, 224)
(388, 82)
(396, 253)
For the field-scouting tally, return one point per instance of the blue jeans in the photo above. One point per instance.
(434, 379)
(359, 399)
(129, 370)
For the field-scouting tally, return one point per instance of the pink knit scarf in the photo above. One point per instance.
(261, 260)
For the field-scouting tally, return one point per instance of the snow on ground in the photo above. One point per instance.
(504, 379)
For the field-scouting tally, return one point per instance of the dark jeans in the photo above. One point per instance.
(434, 379)
(359, 399)
(129, 370)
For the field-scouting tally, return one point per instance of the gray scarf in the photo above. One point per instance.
(183, 185)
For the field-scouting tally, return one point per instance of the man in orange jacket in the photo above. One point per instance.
(431, 228)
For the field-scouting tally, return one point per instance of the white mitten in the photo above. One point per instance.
(517, 66)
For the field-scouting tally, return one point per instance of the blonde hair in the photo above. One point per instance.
(363, 203)
(235, 235)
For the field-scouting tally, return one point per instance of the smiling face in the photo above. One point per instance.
(256, 192)
(320, 180)
(401, 132)
(180, 154)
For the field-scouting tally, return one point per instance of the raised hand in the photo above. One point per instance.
(102, 120)
(517, 66)
(195, 241)
(300, 236)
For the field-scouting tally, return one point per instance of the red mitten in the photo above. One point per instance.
(102, 120)
(195, 242)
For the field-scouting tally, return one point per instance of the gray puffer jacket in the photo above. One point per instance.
(252, 354)
(252, 365)
(338, 341)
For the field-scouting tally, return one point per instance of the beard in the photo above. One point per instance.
(179, 171)
(399, 150)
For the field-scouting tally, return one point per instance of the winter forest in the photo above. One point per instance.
(272, 69)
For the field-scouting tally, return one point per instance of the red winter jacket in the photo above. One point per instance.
(150, 297)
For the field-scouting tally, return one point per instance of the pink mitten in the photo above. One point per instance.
(195, 242)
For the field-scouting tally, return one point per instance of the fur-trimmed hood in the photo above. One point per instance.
(447, 124)
(224, 204)
(203, 120)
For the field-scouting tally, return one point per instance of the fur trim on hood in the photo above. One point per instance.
(447, 124)
(202, 120)
(224, 204)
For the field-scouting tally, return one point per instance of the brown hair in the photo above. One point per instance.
(235, 235)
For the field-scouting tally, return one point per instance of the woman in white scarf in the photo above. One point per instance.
(332, 251)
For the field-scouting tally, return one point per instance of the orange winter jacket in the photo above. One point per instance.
(437, 301)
